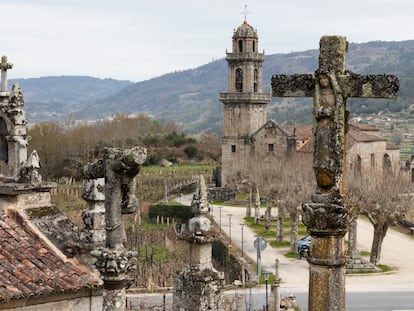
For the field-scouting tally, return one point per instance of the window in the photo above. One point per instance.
(233, 148)
(256, 77)
(271, 147)
(372, 160)
(386, 164)
(240, 46)
(239, 80)
(358, 165)
(254, 46)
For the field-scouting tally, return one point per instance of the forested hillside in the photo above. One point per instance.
(190, 97)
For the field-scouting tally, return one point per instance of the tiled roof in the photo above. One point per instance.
(303, 132)
(362, 127)
(30, 267)
(352, 137)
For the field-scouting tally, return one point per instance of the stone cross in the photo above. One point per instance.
(4, 67)
(326, 216)
(114, 261)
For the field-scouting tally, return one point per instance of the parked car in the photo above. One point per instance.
(304, 246)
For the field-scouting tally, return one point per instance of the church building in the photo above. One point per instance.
(249, 139)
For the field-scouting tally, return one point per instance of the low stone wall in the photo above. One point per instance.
(235, 266)
(221, 194)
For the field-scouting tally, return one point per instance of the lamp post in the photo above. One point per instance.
(266, 276)
(230, 226)
(242, 242)
(220, 207)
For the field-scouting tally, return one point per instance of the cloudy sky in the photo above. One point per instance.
(141, 39)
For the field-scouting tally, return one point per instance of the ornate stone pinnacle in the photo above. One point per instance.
(115, 264)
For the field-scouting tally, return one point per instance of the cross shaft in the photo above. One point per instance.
(326, 216)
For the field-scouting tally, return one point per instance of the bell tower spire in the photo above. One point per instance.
(244, 102)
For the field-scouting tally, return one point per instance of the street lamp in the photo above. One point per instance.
(266, 276)
(242, 225)
(230, 227)
(220, 207)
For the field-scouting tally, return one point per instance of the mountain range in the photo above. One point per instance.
(191, 97)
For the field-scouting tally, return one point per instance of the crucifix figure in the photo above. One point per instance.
(4, 67)
(326, 216)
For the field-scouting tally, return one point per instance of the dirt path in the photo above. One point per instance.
(397, 251)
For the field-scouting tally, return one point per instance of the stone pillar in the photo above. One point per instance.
(256, 200)
(352, 237)
(94, 216)
(14, 115)
(199, 286)
(275, 289)
(114, 261)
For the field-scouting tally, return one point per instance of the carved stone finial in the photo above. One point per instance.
(4, 66)
(30, 170)
(199, 204)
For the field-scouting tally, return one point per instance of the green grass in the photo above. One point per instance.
(226, 204)
(146, 225)
(365, 253)
(271, 235)
(279, 244)
(176, 168)
(291, 255)
(241, 196)
(385, 268)
(269, 280)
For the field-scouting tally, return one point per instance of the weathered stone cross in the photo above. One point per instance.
(119, 168)
(326, 216)
(4, 66)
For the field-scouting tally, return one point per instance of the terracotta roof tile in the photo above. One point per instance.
(362, 126)
(29, 267)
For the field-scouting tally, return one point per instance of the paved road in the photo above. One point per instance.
(397, 251)
(379, 292)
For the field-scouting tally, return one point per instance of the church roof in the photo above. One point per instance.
(357, 134)
(271, 124)
(363, 127)
(245, 31)
(302, 132)
(31, 267)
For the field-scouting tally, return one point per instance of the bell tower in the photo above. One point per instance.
(244, 103)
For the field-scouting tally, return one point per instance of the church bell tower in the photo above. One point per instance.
(244, 103)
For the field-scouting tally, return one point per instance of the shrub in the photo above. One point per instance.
(190, 151)
(181, 213)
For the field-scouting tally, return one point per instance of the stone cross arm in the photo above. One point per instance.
(369, 86)
(351, 85)
(298, 85)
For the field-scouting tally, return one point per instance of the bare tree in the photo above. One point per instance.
(384, 200)
(296, 188)
(288, 180)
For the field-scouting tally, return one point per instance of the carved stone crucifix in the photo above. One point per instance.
(4, 67)
(326, 216)
(119, 168)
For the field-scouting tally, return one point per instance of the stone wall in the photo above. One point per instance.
(88, 303)
(220, 194)
(372, 157)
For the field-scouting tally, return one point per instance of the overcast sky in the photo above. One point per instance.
(141, 39)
